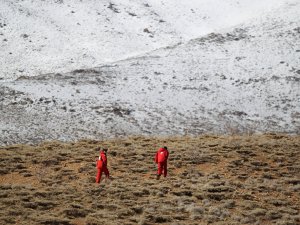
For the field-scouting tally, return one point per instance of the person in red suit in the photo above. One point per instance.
(161, 159)
(101, 165)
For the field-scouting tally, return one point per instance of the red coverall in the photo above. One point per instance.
(161, 158)
(101, 166)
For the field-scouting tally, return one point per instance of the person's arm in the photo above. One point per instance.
(104, 159)
(97, 159)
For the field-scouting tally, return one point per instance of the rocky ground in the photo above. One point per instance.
(212, 179)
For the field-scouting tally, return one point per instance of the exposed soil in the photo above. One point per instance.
(212, 179)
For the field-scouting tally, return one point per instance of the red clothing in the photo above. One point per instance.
(161, 159)
(161, 155)
(103, 157)
(162, 168)
(101, 166)
(99, 173)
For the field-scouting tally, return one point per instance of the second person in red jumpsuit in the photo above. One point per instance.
(101, 164)
(161, 159)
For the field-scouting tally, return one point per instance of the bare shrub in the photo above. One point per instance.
(196, 213)
(40, 205)
(257, 212)
(50, 220)
(273, 215)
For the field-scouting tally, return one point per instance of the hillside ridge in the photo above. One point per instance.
(212, 179)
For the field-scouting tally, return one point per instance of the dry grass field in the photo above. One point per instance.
(212, 180)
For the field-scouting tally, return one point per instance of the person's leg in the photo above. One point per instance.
(159, 170)
(165, 169)
(106, 172)
(98, 177)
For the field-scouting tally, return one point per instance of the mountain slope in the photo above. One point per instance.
(50, 36)
(245, 79)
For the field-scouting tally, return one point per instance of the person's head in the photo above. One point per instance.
(165, 147)
(104, 149)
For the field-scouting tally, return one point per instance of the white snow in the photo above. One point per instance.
(211, 67)
(56, 36)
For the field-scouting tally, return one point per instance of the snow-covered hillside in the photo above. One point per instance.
(244, 78)
(50, 36)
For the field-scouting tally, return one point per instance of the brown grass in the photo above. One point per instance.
(212, 179)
